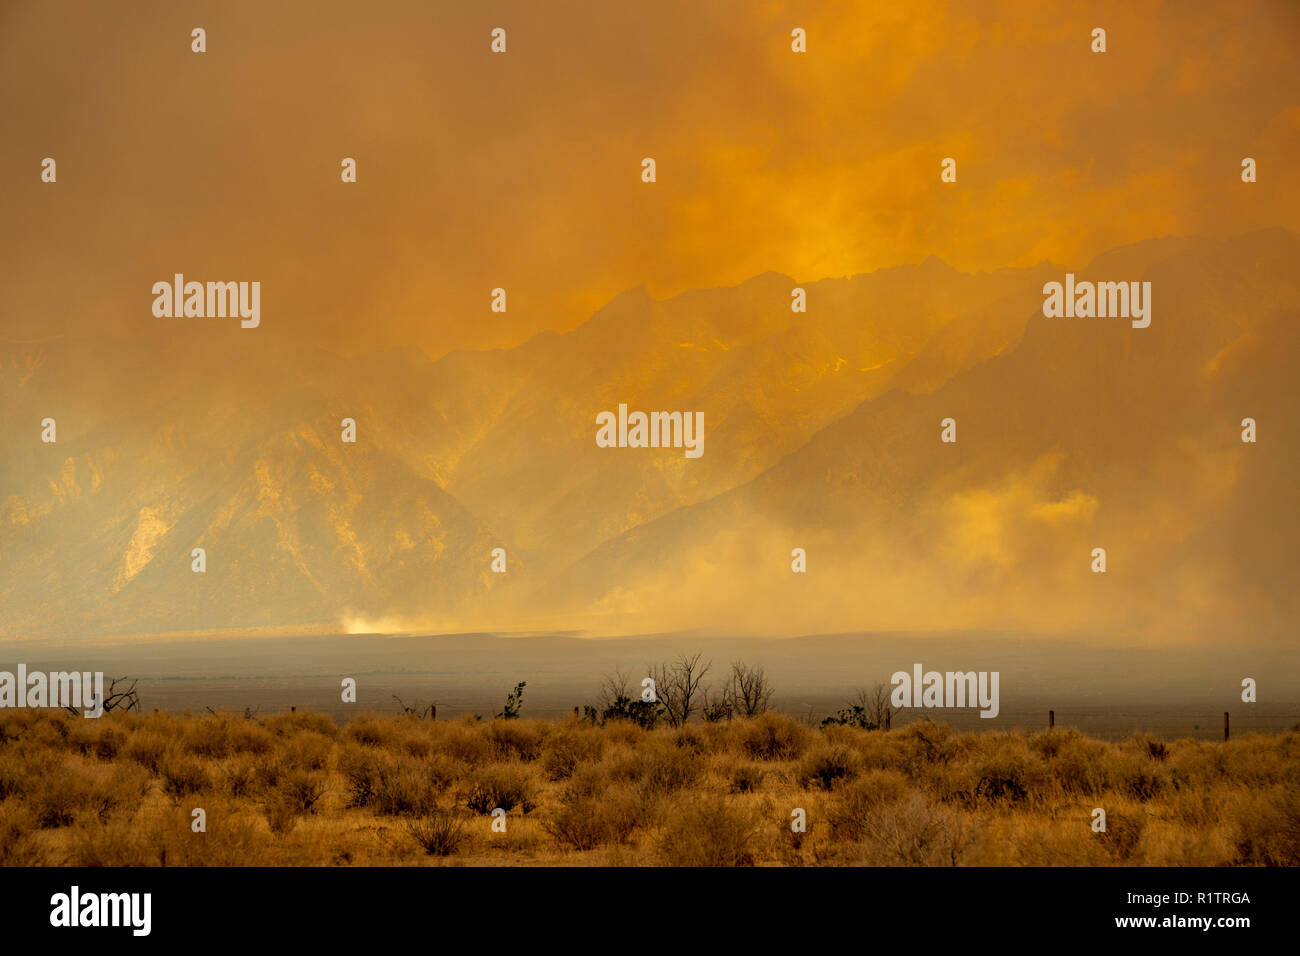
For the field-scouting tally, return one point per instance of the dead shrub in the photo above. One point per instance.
(96, 738)
(1137, 775)
(855, 802)
(439, 832)
(709, 832)
(124, 786)
(465, 744)
(19, 845)
(567, 749)
(147, 748)
(371, 731)
(291, 724)
(501, 786)
(514, 739)
(19, 770)
(55, 799)
(1010, 774)
(1268, 828)
(775, 736)
(916, 831)
(1122, 834)
(827, 767)
(361, 767)
(222, 735)
(281, 815)
(691, 738)
(929, 743)
(1079, 766)
(588, 780)
(747, 778)
(238, 777)
(667, 771)
(307, 750)
(417, 744)
(302, 790)
(1149, 746)
(588, 820)
(182, 775)
(404, 788)
(268, 769)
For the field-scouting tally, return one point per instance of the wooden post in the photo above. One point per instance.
(433, 711)
(1225, 725)
(1051, 719)
(886, 718)
(293, 709)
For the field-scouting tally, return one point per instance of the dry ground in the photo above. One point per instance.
(396, 790)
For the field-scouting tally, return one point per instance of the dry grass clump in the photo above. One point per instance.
(147, 748)
(182, 775)
(827, 767)
(515, 740)
(710, 831)
(1268, 827)
(295, 789)
(592, 813)
(775, 737)
(439, 833)
(390, 784)
(568, 749)
(221, 735)
(917, 831)
(500, 786)
(747, 778)
(859, 802)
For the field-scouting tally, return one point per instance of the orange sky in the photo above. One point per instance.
(479, 170)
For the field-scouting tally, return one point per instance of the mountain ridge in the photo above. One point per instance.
(494, 448)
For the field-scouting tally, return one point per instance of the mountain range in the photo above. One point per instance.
(822, 432)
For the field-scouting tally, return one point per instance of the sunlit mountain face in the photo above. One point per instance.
(1082, 434)
(822, 431)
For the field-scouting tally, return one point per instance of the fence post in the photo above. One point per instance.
(1051, 719)
(1225, 725)
(433, 711)
(886, 718)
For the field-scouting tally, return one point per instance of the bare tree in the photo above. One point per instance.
(866, 709)
(748, 692)
(619, 699)
(716, 705)
(414, 710)
(613, 688)
(126, 698)
(115, 698)
(677, 686)
(875, 702)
